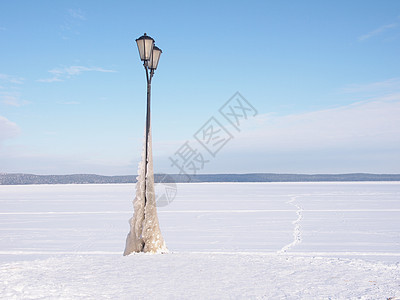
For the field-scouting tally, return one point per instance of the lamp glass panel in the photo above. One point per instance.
(155, 58)
(145, 46)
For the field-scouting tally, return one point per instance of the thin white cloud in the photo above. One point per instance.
(8, 129)
(2, 28)
(61, 74)
(76, 70)
(77, 14)
(72, 21)
(363, 136)
(377, 31)
(11, 79)
(391, 85)
(9, 94)
(12, 99)
(364, 125)
(52, 79)
(9, 99)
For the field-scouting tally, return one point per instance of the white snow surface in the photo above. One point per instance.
(226, 241)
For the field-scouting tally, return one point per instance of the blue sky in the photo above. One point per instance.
(323, 77)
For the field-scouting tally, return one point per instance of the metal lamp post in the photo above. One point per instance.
(145, 234)
(150, 55)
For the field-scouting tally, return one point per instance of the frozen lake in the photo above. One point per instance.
(227, 241)
(308, 219)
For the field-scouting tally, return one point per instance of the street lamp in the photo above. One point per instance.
(150, 55)
(145, 234)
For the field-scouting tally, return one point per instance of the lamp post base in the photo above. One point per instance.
(145, 234)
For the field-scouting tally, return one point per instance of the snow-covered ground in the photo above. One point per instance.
(227, 240)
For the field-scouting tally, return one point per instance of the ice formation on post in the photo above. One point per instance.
(145, 234)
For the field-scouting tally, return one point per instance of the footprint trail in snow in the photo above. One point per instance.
(297, 234)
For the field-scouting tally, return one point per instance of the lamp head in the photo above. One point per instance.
(155, 57)
(145, 46)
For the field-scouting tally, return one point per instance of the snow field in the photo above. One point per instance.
(197, 276)
(228, 240)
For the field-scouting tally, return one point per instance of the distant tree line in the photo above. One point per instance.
(19, 179)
